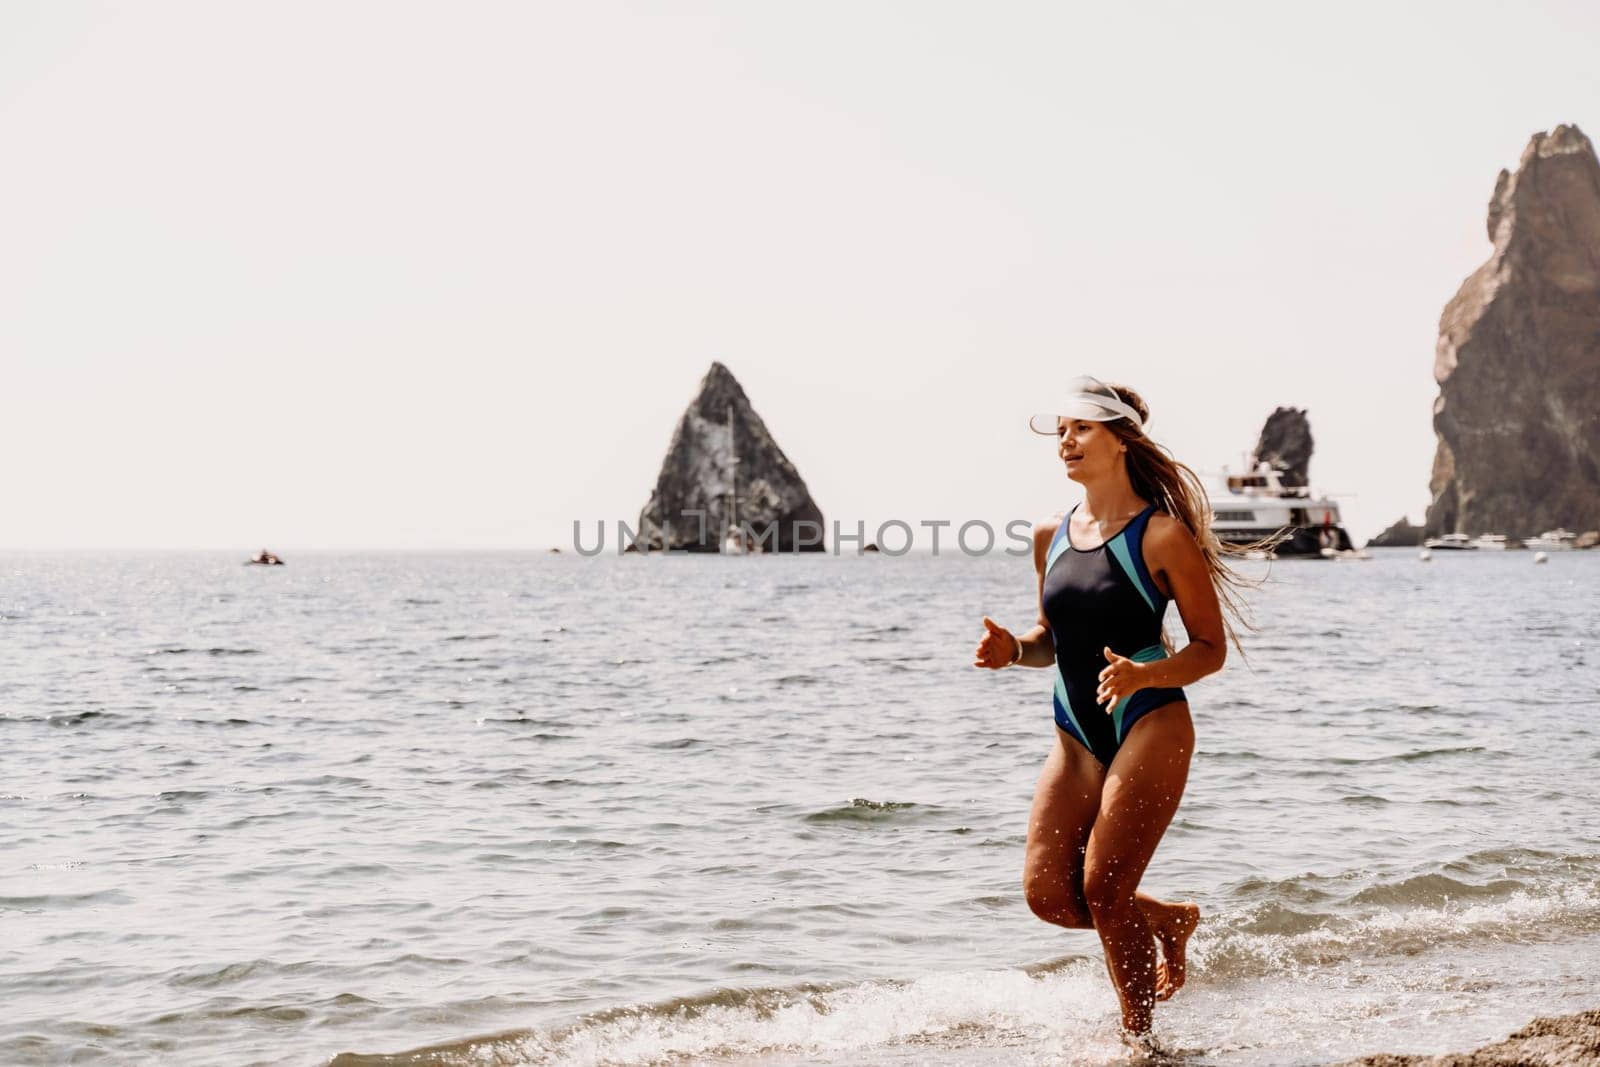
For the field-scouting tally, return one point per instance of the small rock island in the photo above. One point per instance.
(725, 484)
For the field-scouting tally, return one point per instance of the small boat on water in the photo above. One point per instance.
(1492, 542)
(1452, 542)
(1557, 540)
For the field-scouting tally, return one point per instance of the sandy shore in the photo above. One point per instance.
(1563, 1041)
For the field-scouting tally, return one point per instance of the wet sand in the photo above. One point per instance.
(1561, 1041)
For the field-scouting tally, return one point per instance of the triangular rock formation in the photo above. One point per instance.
(701, 489)
(1518, 358)
(1285, 444)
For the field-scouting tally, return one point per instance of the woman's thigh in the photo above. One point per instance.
(1143, 787)
(1065, 803)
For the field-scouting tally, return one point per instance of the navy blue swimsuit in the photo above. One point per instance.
(1097, 598)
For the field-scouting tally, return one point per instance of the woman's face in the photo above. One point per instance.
(1089, 449)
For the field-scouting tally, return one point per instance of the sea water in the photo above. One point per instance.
(530, 809)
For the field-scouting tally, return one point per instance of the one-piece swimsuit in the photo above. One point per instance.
(1098, 598)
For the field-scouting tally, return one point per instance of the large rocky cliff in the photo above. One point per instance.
(700, 487)
(1518, 358)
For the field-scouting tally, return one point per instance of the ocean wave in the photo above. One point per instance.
(1488, 873)
(1062, 1005)
(1436, 890)
(1063, 1008)
(1272, 938)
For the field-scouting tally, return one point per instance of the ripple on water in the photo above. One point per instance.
(43, 902)
(1412, 756)
(678, 744)
(101, 719)
(861, 811)
(213, 977)
(180, 650)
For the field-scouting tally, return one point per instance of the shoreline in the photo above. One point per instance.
(1547, 1041)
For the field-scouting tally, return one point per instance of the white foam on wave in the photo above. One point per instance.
(1414, 979)
(1523, 916)
(1070, 1011)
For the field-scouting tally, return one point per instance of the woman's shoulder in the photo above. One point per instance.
(1163, 525)
(1044, 531)
(1166, 532)
(1045, 536)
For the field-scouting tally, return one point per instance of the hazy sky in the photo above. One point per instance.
(446, 275)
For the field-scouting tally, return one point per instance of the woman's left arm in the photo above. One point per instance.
(1172, 556)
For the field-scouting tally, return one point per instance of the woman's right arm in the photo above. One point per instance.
(1039, 644)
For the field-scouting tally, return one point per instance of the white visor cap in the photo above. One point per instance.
(1089, 399)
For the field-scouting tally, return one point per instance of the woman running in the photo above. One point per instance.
(1112, 781)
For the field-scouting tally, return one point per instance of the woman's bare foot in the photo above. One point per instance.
(1144, 1045)
(1172, 928)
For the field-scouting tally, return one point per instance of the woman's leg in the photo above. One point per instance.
(1142, 789)
(1065, 803)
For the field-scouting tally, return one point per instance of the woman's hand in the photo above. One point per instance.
(998, 648)
(1121, 678)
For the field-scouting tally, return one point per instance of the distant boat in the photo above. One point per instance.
(1492, 542)
(1256, 505)
(1557, 540)
(1455, 542)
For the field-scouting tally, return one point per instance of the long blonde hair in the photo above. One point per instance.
(1176, 489)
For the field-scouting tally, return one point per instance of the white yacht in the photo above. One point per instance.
(1252, 506)
(1558, 540)
(1452, 541)
(1491, 542)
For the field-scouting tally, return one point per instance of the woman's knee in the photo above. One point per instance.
(1105, 894)
(1055, 901)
